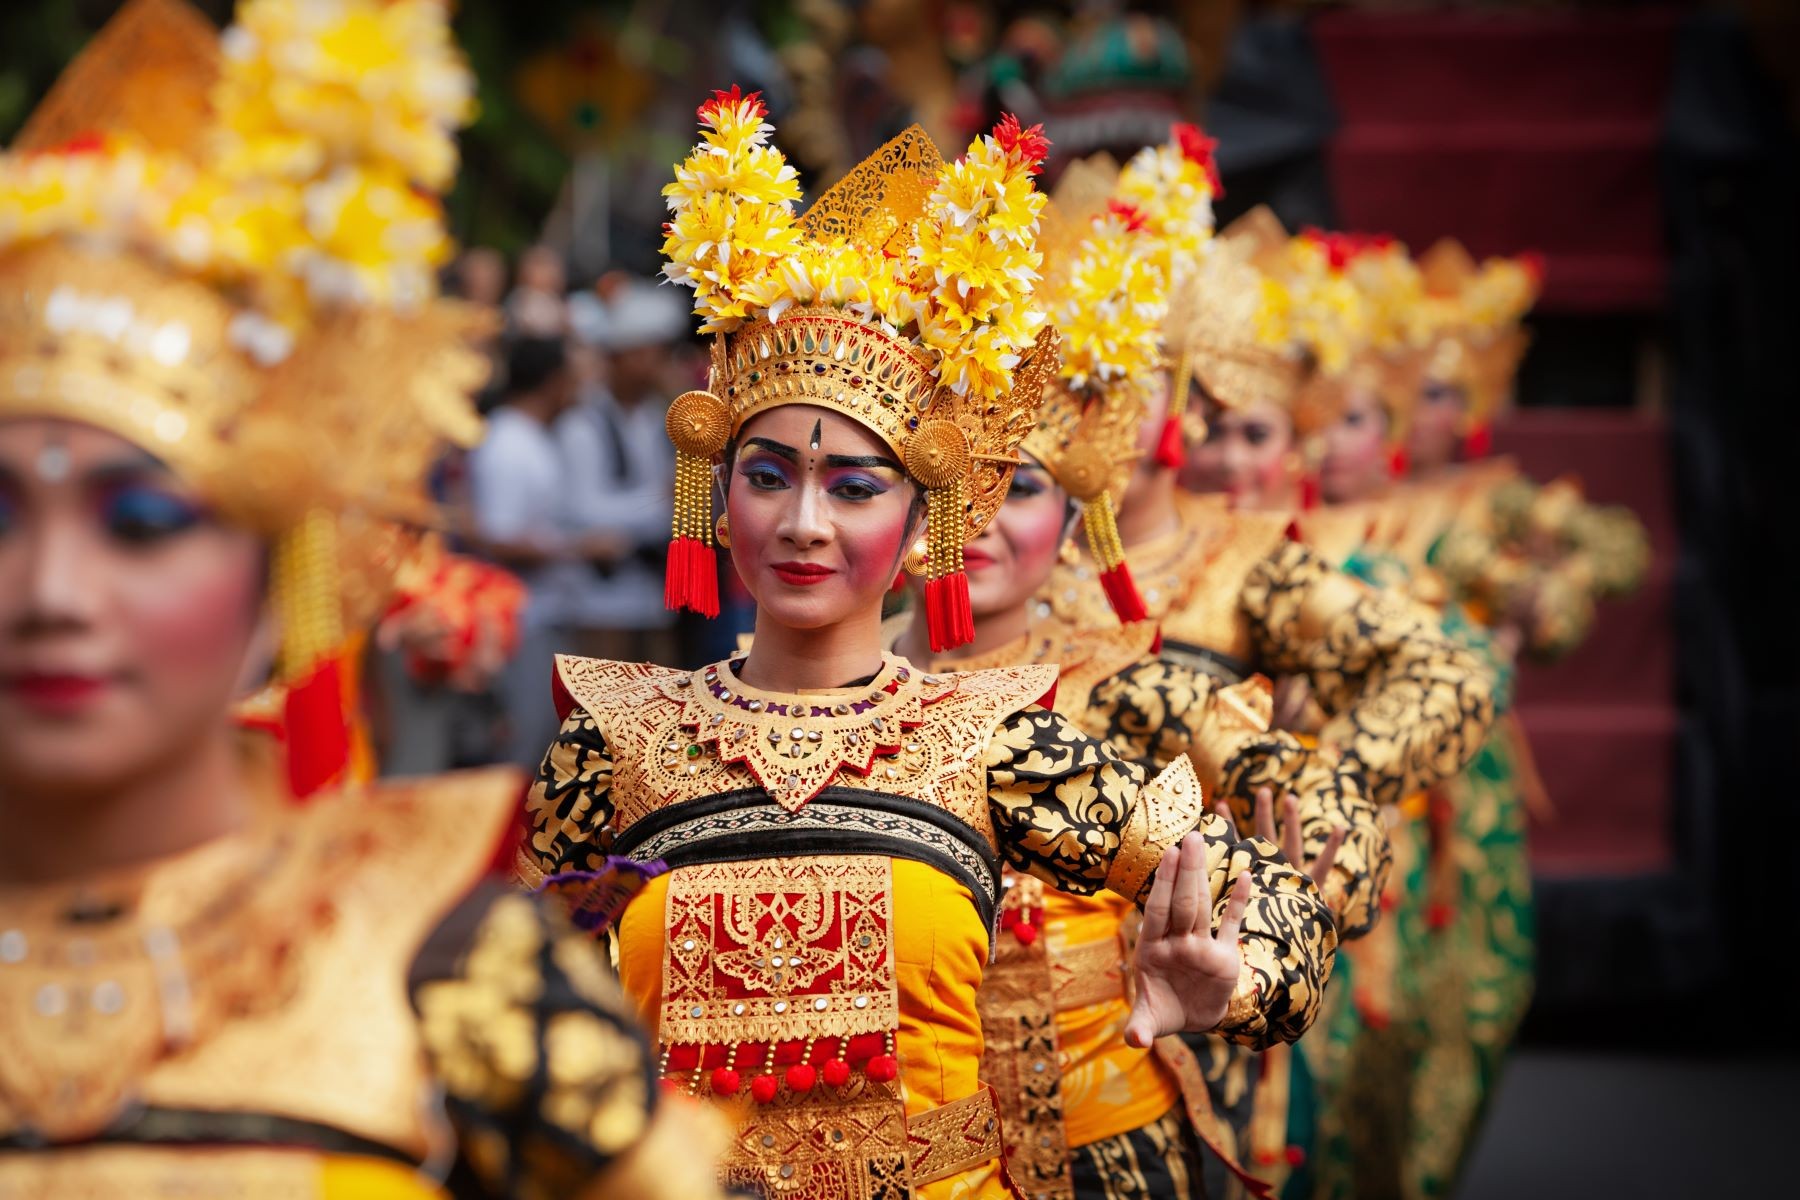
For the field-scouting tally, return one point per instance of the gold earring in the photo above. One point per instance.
(917, 559)
(722, 532)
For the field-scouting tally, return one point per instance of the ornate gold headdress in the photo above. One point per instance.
(1174, 186)
(1239, 337)
(224, 249)
(901, 300)
(1473, 315)
(1106, 289)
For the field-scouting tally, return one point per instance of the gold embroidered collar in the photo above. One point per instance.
(796, 743)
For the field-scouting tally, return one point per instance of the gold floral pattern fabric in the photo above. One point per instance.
(1159, 709)
(545, 1074)
(1406, 704)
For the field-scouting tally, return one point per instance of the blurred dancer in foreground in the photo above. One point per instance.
(212, 416)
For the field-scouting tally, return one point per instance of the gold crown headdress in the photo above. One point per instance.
(1174, 185)
(224, 249)
(901, 300)
(1107, 293)
(1473, 315)
(1239, 338)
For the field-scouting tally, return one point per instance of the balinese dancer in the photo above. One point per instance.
(807, 841)
(1111, 1119)
(1235, 594)
(223, 372)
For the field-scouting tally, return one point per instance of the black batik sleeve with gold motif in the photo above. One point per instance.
(1407, 705)
(1158, 710)
(568, 813)
(547, 1080)
(1071, 812)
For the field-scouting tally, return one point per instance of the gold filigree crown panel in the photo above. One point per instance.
(877, 202)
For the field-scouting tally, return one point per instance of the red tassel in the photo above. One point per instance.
(1309, 492)
(1156, 644)
(318, 730)
(947, 613)
(1122, 594)
(1170, 452)
(1293, 532)
(1479, 442)
(1398, 463)
(691, 580)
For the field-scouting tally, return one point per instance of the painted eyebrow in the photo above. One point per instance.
(866, 461)
(127, 470)
(779, 449)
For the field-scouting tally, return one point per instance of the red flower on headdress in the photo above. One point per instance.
(1130, 215)
(731, 100)
(1027, 145)
(1198, 149)
(1339, 248)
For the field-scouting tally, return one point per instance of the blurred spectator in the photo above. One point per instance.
(619, 466)
(537, 308)
(517, 486)
(479, 277)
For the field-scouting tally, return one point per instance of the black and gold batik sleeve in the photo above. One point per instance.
(1408, 705)
(1072, 813)
(1159, 710)
(547, 1080)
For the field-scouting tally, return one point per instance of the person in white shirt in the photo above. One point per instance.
(518, 484)
(619, 468)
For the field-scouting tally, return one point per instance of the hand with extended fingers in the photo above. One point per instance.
(1292, 847)
(1186, 972)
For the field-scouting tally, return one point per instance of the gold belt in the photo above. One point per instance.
(854, 1147)
(1090, 974)
(951, 1138)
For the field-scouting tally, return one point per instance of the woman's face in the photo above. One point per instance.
(1431, 443)
(1014, 555)
(1355, 466)
(1248, 453)
(128, 612)
(820, 515)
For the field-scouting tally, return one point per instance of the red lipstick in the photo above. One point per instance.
(801, 574)
(55, 692)
(975, 560)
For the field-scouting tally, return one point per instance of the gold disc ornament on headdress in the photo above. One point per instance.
(225, 250)
(902, 299)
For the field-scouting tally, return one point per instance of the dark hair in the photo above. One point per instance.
(532, 362)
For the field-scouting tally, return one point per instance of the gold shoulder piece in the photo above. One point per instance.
(604, 687)
(149, 74)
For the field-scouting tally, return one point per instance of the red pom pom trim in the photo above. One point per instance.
(836, 1073)
(1026, 934)
(763, 1088)
(725, 1082)
(883, 1068)
(801, 1077)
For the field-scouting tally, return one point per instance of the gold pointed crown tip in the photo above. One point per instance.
(148, 75)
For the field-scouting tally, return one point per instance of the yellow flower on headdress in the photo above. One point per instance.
(1113, 298)
(354, 79)
(1174, 186)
